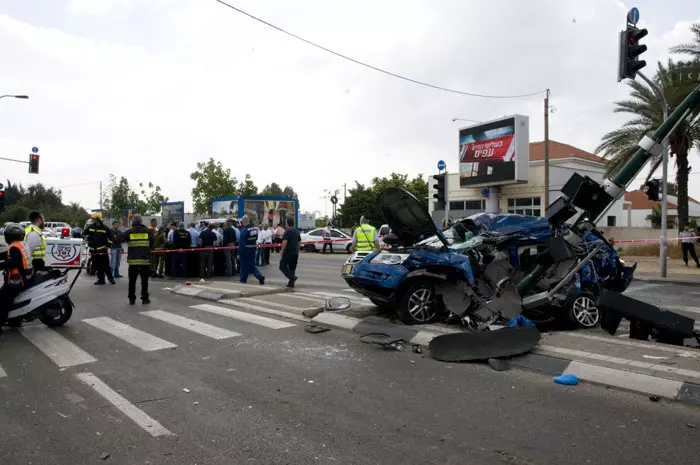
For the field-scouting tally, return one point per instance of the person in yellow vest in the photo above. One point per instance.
(18, 271)
(35, 240)
(365, 238)
(140, 241)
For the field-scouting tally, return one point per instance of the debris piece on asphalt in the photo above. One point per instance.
(312, 312)
(314, 329)
(654, 357)
(105, 456)
(417, 349)
(311, 381)
(566, 379)
(335, 304)
(188, 283)
(206, 358)
(185, 390)
(382, 339)
(690, 425)
(499, 364)
(654, 398)
(464, 347)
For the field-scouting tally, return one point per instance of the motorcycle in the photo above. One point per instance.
(47, 299)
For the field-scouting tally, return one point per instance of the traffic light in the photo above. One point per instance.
(439, 186)
(652, 189)
(630, 50)
(2, 201)
(33, 163)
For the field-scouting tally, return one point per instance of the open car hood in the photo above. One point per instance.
(407, 217)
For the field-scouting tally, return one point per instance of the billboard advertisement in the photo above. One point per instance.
(494, 153)
(127, 214)
(224, 207)
(173, 212)
(269, 212)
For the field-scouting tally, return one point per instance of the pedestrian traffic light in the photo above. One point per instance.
(34, 163)
(652, 188)
(2, 201)
(630, 50)
(439, 186)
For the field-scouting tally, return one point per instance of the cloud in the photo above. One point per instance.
(181, 81)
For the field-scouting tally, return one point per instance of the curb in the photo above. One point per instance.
(680, 391)
(216, 293)
(658, 280)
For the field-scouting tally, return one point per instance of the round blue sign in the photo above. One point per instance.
(485, 192)
(442, 165)
(35, 149)
(633, 16)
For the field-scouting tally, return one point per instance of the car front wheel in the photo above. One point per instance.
(419, 305)
(584, 311)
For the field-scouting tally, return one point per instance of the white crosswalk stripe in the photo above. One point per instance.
(138, 416)
(195, 326)
(357, 298)
(244, 316)
(2, 372)
(273, 304)
(307, 298)
(126, 333)
(59, 349)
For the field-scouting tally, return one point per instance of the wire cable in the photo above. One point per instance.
(375, 68)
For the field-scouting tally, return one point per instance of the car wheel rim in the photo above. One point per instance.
(420, 305)
(586, 311)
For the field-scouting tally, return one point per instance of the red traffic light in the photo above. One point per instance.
(2, 193)
(34, 157)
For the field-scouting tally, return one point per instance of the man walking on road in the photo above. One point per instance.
(327, 238)
(246, 250)
(99, 239)
(365, 237)
(688, 246)
(115, 251)
(290, 252)
(140, 241)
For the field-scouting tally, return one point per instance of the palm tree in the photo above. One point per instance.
(619, 145)
(692, 49)
(655, 218)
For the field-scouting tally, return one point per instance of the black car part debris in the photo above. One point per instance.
(498, 364)
(384, 340)
(335, 304)
(463, 347)
(315, 329)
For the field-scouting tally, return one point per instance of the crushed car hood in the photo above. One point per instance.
(407, 217)
(504, 224)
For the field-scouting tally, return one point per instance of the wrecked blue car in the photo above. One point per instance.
(470, 270)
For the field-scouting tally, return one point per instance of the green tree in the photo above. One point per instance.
(247, 186)
(672, 188)
(119, 196)
(655, 218)
(13, 193)
(620, 144)
(693, 48)
(14, 214)
(289, 192)
(212, 180)
(151, 202)
(272, 190)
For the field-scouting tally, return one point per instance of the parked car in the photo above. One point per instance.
(424, 265)
(341, 241)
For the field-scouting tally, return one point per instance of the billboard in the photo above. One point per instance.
(224, 207)
(127, 214)
(173, 212)
(494, 153)
(268, 212)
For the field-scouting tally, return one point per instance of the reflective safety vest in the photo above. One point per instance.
(39, 252)
(364, 238)
(139, 240)
(14, 275)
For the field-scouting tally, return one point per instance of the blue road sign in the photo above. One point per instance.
(442, 165)
(35, 149)
(485, 192)
(633, 16)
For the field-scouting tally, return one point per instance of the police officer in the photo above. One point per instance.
(35, 240)
(365, 237)
(140, 240)
(246, 251)
(99, 238)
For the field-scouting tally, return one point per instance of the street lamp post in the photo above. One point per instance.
(464, 119)
(15, 96)
(663, 248)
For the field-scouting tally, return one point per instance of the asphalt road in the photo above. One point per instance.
(274, 394)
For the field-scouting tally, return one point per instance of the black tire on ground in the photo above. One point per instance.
(419, 304)
(310, 248)
(348, 249)
(66, 313)
(583, 310)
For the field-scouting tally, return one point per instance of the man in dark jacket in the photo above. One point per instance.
(99, 238)
(182, 240)
(140, 241)
(229, 254)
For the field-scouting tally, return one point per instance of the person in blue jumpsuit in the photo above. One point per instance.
(247, 245)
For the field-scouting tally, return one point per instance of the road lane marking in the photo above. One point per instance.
(2, 372)
(126, 333)
(309, 298)
(59, 349)
(195, 326)
(641, 344)
(138, 416)
(270, 311)
(244, 316)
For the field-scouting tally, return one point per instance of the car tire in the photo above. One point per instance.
(419, 304)
(348, 249)
(310, 248)
(583, 310)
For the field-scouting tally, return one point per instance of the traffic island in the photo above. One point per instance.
(215, 291)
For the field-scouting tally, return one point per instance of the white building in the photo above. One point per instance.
(528, 198)
(638, 208)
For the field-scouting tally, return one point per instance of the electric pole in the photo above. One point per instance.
(546, 149)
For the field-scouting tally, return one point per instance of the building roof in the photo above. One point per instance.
(557, 150)
(639, 201)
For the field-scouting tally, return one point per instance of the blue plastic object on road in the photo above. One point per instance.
(520, 322)
(566, 379)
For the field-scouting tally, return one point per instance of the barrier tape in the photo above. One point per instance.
(646, 241)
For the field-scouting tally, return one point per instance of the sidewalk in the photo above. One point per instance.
(676, 271)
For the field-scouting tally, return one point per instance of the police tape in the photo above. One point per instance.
(650, 241)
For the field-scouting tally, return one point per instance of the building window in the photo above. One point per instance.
(529, 206)
(612, 220)
(478, 205)
(457, 205)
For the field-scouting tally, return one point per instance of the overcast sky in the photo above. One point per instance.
(146, 88)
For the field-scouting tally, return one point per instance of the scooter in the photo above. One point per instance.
(47, 299)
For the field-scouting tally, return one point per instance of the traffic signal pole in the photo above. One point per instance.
(447, 198)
